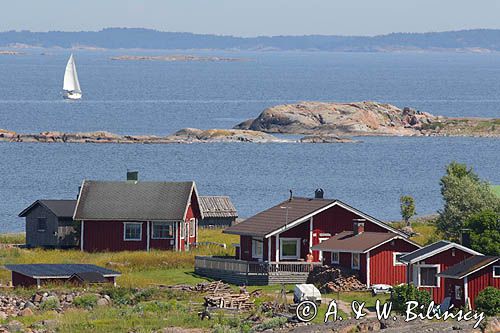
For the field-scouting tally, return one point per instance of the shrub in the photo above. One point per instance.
(120, 296)
(86, 301)
(271, 324)
(488, 301)
(404, 293)
(51, 303)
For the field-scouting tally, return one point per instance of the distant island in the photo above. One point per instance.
(176, 57)
(479, 40)
(365, 119)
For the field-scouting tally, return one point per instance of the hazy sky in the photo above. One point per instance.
(253, 17)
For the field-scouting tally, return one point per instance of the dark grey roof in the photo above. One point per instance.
(217, 206)
(433, 249)
(126, 200)
(58, 270)
(60, 208)
(468, 266)
(424, 251)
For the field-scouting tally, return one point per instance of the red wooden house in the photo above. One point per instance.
(289, 230)
(426, 264)
(465, 280)
(374, 254)
(136, 215)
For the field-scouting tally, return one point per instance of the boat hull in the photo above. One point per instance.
(72, 95)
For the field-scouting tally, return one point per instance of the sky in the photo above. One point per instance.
(253, 17)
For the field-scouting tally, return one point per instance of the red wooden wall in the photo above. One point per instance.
(481, 279)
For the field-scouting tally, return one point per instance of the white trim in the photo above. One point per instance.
(78, 199)
(277, 244)
(176, 238)
(438, 278)
(442, 249)
(148, 235)
(395, 262)
(335, 203)
(297, 250)
(82, 226)
(359, 260)
(338, 257)
(368, 270)
(494, 275)
(67, 276)
(255, 255)
(311, 227)
(320, 240)
(172, 224)
(466, 292)
(182, 228)
(269, 250)
(125, 234)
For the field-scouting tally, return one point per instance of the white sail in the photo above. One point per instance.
(71, 82)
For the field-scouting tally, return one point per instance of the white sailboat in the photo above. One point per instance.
(71, 85)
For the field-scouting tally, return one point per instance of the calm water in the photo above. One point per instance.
(160, 98)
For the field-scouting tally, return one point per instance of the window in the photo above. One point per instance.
(41, 224)
(458, 292)
(395, 258)
(132, 231)
(183, 229)
(163, 230)
(496, 271)
(428, 276)
(355, 260)
(257, 248)
(335, 257)
(192, 227)
(289, 248)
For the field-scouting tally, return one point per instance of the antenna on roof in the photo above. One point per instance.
(291, 195)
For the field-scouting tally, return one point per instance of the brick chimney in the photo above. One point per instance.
(359, 226)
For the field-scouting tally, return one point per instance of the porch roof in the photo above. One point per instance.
(347, 241)
(468, 266)
(433, 249)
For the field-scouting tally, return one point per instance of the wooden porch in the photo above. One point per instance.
(241, 272)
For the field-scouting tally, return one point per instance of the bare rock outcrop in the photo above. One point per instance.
(364, 118)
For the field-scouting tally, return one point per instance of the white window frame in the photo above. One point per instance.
(395, 261)
(359, 260)
(338, 258)
(192, 227)
(183, 229)
(125, 232)
(256, 255)
(438, 279)
(494, 275)
(297, 251)
(172, 224)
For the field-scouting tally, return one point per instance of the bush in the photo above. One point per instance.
(121, 296)
(404, 293)
(488, 301)
(272, 324)
(87, 301)
(51, 303)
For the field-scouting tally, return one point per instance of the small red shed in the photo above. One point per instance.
(465, 280)
(374, 254)
(426, 263)
(136, 215)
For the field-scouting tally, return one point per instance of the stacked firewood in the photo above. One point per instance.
(335, 279)
(230, 301)
(203, 287)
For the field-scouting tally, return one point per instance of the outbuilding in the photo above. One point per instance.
(49, 224)
(218, 211)
(30, 275)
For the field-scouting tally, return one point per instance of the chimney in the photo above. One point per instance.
(359, 226)
(132, 176)
(465, 239)
(319, 193)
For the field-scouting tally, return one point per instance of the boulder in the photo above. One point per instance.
(102, 302)
(26, 312)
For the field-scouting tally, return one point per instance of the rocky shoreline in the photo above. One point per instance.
(365, 119)
(184, 136)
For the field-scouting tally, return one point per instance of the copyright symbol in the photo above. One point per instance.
(306, 311)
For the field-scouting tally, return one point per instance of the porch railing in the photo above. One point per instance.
(253, 267)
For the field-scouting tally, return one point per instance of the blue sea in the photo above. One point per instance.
(151, 97)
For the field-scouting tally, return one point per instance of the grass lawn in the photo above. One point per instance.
(496, 189)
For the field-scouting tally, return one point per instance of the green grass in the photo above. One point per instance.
(15, 238)
(496, 189)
